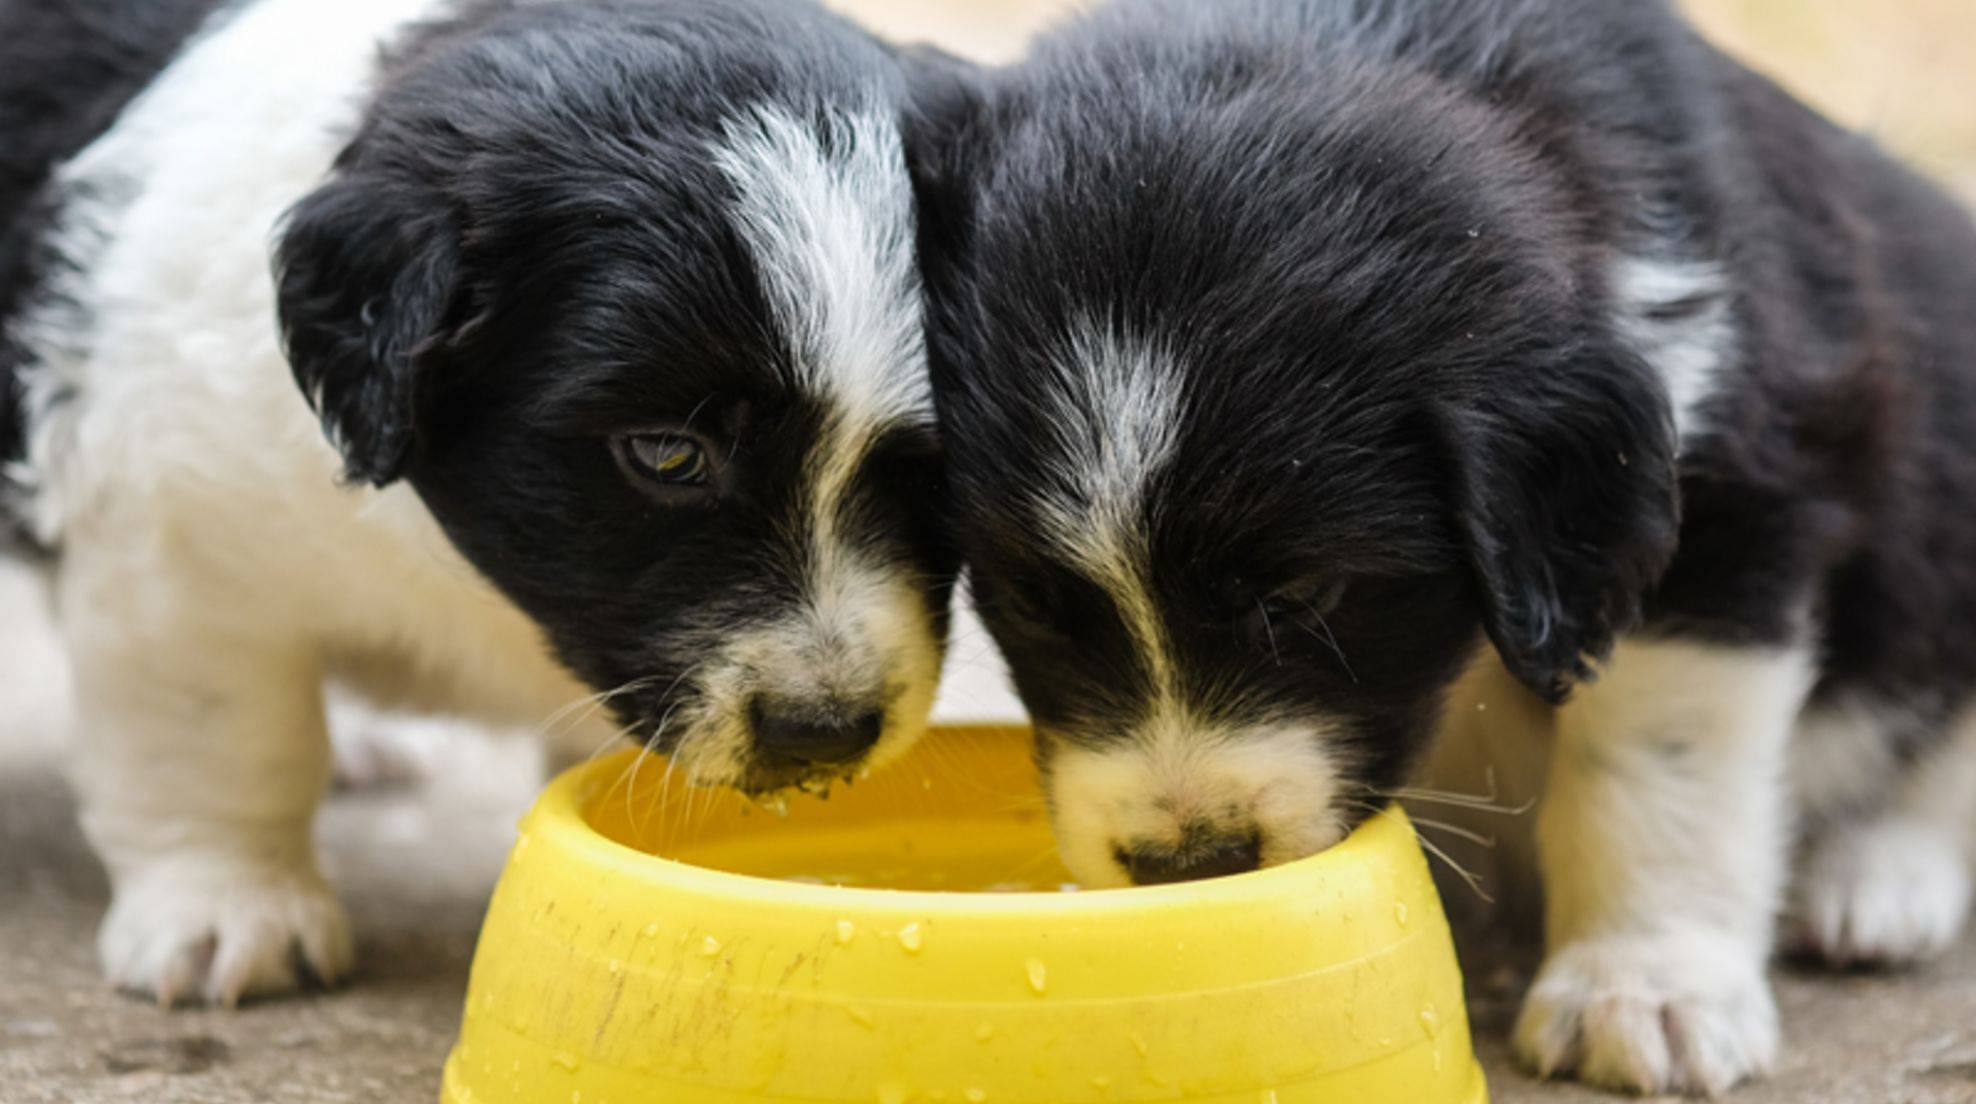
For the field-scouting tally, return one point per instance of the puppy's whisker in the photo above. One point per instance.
(1459, 801)
(1331, 639)
(644, 751)
(1489, 802)
(1436, 851)
(593, 701)
(1477, 838)
(1468, 877)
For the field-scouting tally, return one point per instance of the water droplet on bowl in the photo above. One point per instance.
(1431, 1020)
(974, 1095)
(709, 946)
(846, 931)
(650, 931)
(1400, 912)
(1039, 975)
(984, 1033)
(1269, 1096)
(912, 938)
(567, 1060)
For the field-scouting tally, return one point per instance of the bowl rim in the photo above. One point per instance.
(558, 818)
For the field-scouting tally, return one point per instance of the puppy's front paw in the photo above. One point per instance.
(222, 937)
(1885, 894)
(1651, 1014)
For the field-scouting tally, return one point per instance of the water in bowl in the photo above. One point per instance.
(965, 816)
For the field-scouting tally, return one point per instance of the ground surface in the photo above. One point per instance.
(415, 867)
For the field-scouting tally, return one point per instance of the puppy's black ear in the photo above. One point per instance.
(1567, 497)
(365, 274)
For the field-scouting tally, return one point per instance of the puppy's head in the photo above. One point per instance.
(628, 295)
(1267, 393)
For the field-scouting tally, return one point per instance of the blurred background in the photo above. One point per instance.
(1899, 69)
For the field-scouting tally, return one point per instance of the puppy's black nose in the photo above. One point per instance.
(813, 739)
(1199, 856)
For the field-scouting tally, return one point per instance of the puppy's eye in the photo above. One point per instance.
(1310, 599)
(667, 459)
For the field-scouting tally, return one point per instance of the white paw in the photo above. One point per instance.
(373, 751)
(1884, 894)
(219, 939)
(1651, 1014)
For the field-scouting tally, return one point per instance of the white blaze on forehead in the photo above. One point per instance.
(831, 231)
(1113, 423)
(826, 209)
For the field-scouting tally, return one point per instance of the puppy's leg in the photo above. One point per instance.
(200, 758)
(1663, 841)
(1893, 887)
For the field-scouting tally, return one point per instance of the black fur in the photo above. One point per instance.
(527, 250)
(1375, 238)
(66, 68)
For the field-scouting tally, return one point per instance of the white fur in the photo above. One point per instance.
(1115, 427)
(861, 635)
(1661, 1010)
(1663, 840)
(1177, 770)
(1891, 885)
(1890, 891)
(834, 238)
(833, 234)
(1689, 352)
(214, 572)
(1843, 758)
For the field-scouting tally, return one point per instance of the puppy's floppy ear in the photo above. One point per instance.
(1567, 496)
(365, 274)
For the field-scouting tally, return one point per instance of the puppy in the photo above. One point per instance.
(611, 313)
(1289, 350)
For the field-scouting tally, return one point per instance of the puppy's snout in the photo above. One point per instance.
(811, 738)
(1200, 854)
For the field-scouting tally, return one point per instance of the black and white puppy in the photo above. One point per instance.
(610, 308)
(1286, 350)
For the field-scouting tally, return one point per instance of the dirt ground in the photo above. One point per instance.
(416, 865)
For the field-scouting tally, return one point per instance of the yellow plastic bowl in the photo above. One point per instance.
(609, 975)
